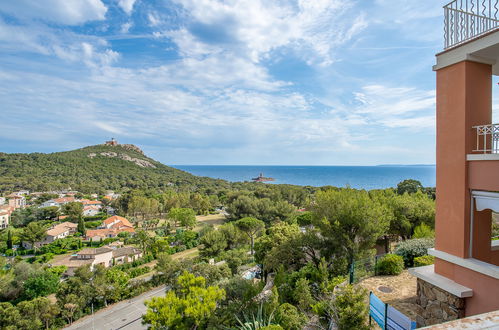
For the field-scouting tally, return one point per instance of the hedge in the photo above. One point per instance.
(390, 264)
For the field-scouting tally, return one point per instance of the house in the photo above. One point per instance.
(106, 256)
(4, 218)
(126, 254)
(87, 202)
(464, 280)
(58, 231)
(90, 210)
(110, 227)
(16, 201)
(58, 202)
(116, 222)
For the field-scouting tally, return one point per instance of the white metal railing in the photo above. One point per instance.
(467, 19)
(487, 139)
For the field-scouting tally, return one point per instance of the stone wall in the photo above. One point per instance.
(437, 305)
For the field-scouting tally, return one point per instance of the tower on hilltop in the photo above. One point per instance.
(113, 142)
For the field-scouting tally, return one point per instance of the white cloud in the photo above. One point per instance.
(68, 46)
(126, 5)
(153, 19)
(70, 12)
(125, 27)
(257, 28)
(407, 107)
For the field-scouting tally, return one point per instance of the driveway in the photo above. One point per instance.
(125, 315)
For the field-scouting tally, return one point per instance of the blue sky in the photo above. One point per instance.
(322, 82)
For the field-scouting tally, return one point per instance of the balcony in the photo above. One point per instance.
(487, 139)
(468, 19)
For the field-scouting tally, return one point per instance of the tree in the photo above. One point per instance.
(289, 317)
(9, 239)
(423, 231)
(74, 211)
(302, 294)
(144, 240)
(409, 186)
(186, 217)
(348, 308)
(277, 234)
(39, 311)
(349, 221)
(41, 284)
(214, 243)
(168, 268)
(33, 232)
(187, 307)
(81, 226)
(232, 235)
(47, 213)
(252, 228)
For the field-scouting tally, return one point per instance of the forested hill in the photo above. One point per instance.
(94, 169)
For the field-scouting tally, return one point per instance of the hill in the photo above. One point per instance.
(94, 169)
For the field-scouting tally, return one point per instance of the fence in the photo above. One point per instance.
(362, 268)
(467, 19)
(387, 316)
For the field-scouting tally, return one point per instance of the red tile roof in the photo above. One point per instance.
(119, 222)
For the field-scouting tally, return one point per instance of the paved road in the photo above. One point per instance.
(124, 315)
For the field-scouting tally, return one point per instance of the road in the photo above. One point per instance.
(124, 315)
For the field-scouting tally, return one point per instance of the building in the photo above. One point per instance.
(4, 218)
(16, 201)
(464, 280)
(126, 254)
(113, 142)
(91, 210)
(105, 256)
(58, 202)
(110, 227)
(2, 200)
(61, 230)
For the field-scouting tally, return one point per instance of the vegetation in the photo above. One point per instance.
(300, 240)
(188, 306)
(424, 261)
(48, 172)
(413, 248)
(390, 264)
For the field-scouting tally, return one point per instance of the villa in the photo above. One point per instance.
(59, 231)
(105, 256)
(110, 227)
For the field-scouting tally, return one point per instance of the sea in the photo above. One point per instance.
(359, 177)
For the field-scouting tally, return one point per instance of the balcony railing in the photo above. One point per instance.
(487, 139)
(467, 19)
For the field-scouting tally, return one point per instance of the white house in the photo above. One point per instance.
(4, 218)
(61, 230)
(90, 210)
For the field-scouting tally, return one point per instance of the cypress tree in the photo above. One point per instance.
(9, 239)
(81, 226)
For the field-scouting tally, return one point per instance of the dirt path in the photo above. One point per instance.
(402, 293)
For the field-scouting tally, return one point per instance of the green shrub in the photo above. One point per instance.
(424, 261)
(289, 317)
(413, 248)
(390, 264)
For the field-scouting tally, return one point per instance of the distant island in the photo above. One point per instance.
(261, 178)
